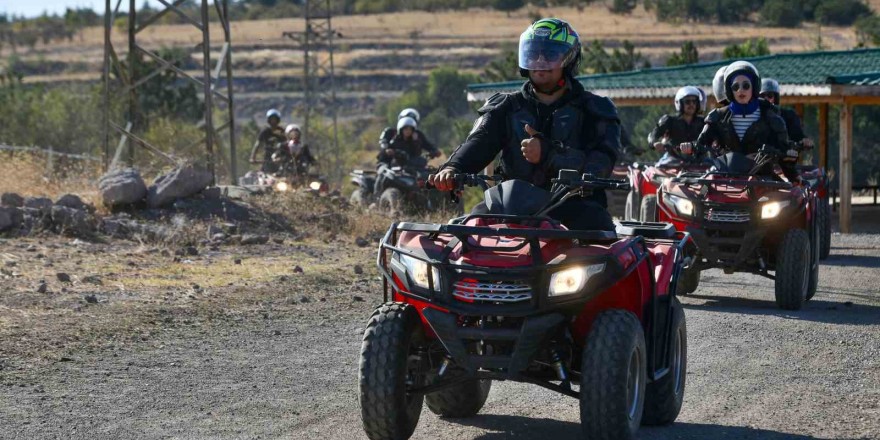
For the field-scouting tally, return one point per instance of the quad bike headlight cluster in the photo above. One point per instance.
(682, 205)
(282, 187)
(772, 209)
(570, 281)
(418, 272)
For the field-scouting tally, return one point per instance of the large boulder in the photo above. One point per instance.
(73, 221)
(180, 183)
(42, 204)
(73, 201)
(10, 217)
(122, 187)
(12, 200)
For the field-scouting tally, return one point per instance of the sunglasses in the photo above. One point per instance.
(745, 85)
(690, 101)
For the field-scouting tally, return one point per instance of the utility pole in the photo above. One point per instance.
(319, 80)
(129, 82)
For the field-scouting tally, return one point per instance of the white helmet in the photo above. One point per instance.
(409, 113)
(273, 112)
(742, 68)
(686, 91)
(703, 100)
(406, 121)
(290, 128)
(718, 85)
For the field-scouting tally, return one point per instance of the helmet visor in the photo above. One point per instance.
(542, 54)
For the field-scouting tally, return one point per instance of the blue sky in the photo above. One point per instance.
(31, 8)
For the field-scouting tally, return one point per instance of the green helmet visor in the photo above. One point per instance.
(543, 54)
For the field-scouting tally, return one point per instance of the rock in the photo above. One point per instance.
(191, 250)
(278, 240)
(218, 237)
(358, 270)
(72, 201)
(361, 242)
(212, 193)
(10, 218)
(12, 200)
(357, 298)
(237, 261)
(122, 187)
(93, 279)
(43, 204)
(75, 221)
(181, 182)
(297, 269)
(304, 299)
(42, 288)
(63, 277)
(248, 239)
(91, 299)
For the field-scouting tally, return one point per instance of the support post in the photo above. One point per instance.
(845, 169)
(133, 106)
(823, 136)
(105, 111)
(209, 92)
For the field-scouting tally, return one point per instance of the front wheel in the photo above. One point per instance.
(358, 198)
(663, 397)
(648, 209)
(792, 269)
(390, 201)
(613, 376)
(389, 360)
(688, 281)
(629, 207)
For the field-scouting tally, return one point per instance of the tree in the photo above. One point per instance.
(597, 60)
(622, 6)
(508, 5)
(840, 12)
(783, 13)
(687, 55)
(747, 49)
(503, 68)
(868, 31)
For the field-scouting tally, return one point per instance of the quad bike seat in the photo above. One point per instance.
(647, 229)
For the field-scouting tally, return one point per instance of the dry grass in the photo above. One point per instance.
(26, 174)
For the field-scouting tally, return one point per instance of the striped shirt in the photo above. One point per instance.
(741, 123)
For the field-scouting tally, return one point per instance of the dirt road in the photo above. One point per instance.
(288, 370)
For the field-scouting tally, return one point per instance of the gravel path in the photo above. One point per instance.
(754, 372)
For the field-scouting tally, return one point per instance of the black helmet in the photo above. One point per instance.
(742, 68)
(770, 86)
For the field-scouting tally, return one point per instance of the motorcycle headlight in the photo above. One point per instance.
(418, 272)
(569, 281)
(772, 209)
(282, 186)
(682, 205)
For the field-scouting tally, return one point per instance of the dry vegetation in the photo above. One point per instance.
(27, 174)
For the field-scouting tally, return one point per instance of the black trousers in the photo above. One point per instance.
(575, 214)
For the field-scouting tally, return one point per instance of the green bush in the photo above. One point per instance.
(783, 13)
(687, 55)
(868, 30)
(840, 12)
(747, 49)
(622, 6)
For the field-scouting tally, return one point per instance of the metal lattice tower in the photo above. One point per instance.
(130, 82)
(319, 82)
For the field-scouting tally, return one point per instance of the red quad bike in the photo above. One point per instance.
(743, 221)
(514, 295)
(819, 182)
(641, 202)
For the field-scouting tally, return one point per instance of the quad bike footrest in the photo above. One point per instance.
(527, 340)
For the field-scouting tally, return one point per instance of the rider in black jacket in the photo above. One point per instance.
(552, 123)
(676, 129)
(770, 92)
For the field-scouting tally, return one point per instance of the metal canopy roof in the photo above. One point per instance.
(819, 75)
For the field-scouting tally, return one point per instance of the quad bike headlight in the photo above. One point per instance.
(682, 205)
(315, 186)
(569, 281)
(282, 186)
(772, 209)
(418, 272)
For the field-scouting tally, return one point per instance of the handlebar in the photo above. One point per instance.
(470, 180)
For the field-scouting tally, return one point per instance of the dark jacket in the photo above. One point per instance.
(268, 139)
(676, 129)
(792, 124)
(769, 130)
(412, 147)
(581, 131)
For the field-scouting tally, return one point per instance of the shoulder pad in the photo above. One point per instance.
(494, 101)
(663, 120)
(715, 115)
(776, 122)
(387, 134)
(601, 106)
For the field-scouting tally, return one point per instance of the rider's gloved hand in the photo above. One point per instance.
(389, 151)
(443, 180)
(531, 147)
(686, 148)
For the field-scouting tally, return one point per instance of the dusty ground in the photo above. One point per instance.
(257, 350)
